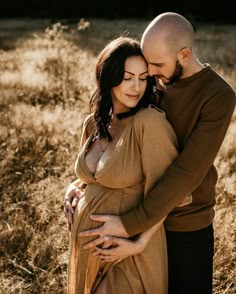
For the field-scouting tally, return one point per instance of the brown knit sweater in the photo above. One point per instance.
(199, 108)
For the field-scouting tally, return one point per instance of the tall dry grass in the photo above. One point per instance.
(46, 79)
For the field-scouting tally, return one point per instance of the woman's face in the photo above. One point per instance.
(132, 88)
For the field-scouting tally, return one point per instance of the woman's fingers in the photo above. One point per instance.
(82, 186)
(75, 200)
(68, 204)
(123, 249)
(105, 252)
(111, 259)
(71, 200)
(70, 218)
(119, 260)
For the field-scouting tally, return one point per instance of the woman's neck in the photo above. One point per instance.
(115, 122)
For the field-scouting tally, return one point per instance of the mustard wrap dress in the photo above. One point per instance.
(145, 149)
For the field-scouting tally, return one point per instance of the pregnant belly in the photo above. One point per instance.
(98, 199)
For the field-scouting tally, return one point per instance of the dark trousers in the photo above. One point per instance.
(190, 258)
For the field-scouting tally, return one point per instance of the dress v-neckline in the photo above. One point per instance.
(111, 155)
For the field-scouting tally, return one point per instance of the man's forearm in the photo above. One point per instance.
(146, 236)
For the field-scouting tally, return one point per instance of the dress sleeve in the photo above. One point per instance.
(158, 144)
(87, 127)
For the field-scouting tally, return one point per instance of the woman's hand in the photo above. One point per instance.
(73, 194)
(116, 249)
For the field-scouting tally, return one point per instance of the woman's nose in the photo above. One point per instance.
(137, 84)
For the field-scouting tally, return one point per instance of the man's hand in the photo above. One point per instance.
(112, 226)
(119, 249)
(71, 199)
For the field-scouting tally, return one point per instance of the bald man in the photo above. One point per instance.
(199, 104)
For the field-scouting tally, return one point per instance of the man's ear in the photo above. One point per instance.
(183, 55)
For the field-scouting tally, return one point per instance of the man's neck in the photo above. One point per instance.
(193, 67)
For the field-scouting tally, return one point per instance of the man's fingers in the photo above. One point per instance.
(99, 218)
(94, 243)
(89, 233)
(113, 240)
(107, 244)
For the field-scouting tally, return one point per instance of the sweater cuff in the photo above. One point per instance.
(132, 223)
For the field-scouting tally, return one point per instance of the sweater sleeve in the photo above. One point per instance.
(189, 169)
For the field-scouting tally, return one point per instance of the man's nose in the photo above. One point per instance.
(152, 71)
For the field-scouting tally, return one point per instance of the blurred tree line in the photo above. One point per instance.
(201, 10)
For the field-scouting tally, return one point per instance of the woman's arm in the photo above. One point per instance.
(75, 190)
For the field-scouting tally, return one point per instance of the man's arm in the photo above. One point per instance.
(189, 169)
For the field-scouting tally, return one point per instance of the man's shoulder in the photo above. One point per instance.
(220, 83)
(221, 91)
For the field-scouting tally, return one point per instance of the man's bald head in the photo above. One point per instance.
(171, 30)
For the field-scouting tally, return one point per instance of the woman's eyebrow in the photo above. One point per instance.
(139, 74)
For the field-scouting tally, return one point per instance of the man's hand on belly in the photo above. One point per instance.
(112, 226)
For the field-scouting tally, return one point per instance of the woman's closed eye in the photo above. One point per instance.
(129, 78)
(143, 79)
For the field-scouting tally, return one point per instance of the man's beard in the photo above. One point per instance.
(176, 74)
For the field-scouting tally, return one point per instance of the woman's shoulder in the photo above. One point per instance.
(150, 114)
(89, 123)
(152, 120)
(88, 119)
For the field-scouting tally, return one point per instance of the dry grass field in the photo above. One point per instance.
(46, 79)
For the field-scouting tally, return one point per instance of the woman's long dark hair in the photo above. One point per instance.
(110, 73)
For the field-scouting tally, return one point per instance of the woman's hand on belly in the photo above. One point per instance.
(116, 249)
(71, 200)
